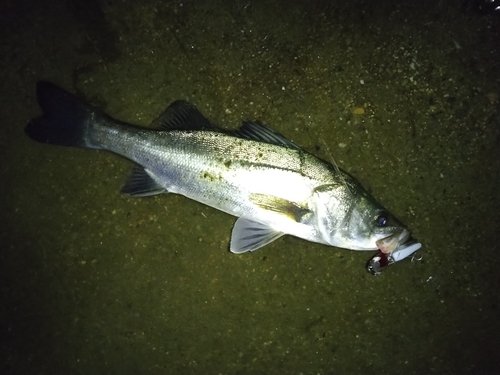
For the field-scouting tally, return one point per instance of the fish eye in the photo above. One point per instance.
(382, 220)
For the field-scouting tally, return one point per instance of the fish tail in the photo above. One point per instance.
(66, 120)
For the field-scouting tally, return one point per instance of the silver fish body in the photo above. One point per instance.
(253, 173)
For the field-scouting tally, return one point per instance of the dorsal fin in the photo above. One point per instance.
(257, 131)
(336, 167)
(181, 115)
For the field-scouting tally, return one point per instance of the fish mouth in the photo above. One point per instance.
(388, 244)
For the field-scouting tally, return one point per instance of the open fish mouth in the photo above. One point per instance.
(388, 244)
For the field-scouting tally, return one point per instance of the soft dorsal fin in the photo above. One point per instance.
(257, 131)
(181, 115)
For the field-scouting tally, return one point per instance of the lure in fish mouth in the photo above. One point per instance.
(381, 260)
(390, 243)
(269, 183)
(392, 249)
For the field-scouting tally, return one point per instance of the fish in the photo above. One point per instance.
(270, 184)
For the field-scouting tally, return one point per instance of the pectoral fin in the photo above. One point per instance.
(282, 206)
(249, 235)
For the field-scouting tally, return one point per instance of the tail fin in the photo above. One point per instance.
(66, 120)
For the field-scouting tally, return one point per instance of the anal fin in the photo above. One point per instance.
(140, 184)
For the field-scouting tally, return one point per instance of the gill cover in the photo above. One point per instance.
(331, 203)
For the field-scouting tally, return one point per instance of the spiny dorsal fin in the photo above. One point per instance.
(256, 131)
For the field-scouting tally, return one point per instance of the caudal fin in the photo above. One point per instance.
(66, 120)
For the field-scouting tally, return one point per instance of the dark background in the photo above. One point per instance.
(405, 94)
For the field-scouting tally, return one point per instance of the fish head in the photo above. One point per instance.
(370, 226)
(351, 218)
